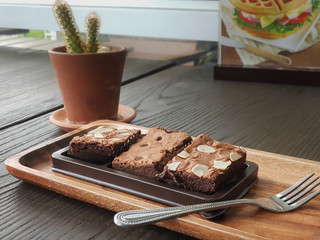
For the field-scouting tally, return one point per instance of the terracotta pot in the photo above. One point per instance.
(89, 83)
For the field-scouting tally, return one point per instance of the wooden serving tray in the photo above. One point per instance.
(152, 189)
(276, 172)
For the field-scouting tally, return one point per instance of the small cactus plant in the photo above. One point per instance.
(72, 36)
(92, 32)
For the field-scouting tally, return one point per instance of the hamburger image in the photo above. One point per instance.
(274, 19)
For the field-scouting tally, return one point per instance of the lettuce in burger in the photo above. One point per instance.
(273, 19)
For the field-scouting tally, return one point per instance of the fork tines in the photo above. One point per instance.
(300, 189)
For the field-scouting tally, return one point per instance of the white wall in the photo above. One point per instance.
(174, 19)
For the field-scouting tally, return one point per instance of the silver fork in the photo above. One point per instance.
(289, 199)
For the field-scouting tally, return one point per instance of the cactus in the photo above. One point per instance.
(65, 19)
(72, 36)
(92, 32)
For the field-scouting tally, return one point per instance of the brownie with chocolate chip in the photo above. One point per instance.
(205, 165)
(102, 144)
(150, 154)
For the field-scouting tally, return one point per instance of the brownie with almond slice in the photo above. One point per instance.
(150, 154)
(102, 144)
(205, 165)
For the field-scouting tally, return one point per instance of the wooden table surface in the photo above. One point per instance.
(28, 86)
(275, 118)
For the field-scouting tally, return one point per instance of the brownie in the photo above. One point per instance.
(102, 145)
(150, 154)
(205, 165)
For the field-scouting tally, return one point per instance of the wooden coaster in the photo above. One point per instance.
(59, 118)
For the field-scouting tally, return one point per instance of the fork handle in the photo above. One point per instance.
(141, 217)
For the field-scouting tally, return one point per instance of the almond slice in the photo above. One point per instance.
(124, 134)
(101, 129)
(183, 154)
(98, 135)
(173, 166)
(199, 169)
(222, 165)
(114, 139)
(205, 149)
(121, 130)
(243, 150)
(234, 156)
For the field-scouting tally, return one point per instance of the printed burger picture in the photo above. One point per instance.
(273, 19)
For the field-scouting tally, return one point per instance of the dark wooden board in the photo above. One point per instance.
(302, 76)
(28, 86)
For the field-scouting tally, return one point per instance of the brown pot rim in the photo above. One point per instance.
(61, 50)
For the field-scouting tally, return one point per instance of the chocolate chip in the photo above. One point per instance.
(159, 138)
(144, 145)
(138, 158)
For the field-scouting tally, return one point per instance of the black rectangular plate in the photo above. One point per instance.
(154, 190)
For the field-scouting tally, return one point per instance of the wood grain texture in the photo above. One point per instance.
(271, 117)
(276, 173)
(30, 212)
(28, 86)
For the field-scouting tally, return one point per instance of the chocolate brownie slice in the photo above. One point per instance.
(204, 165)
(102, 145)
(149, 155)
